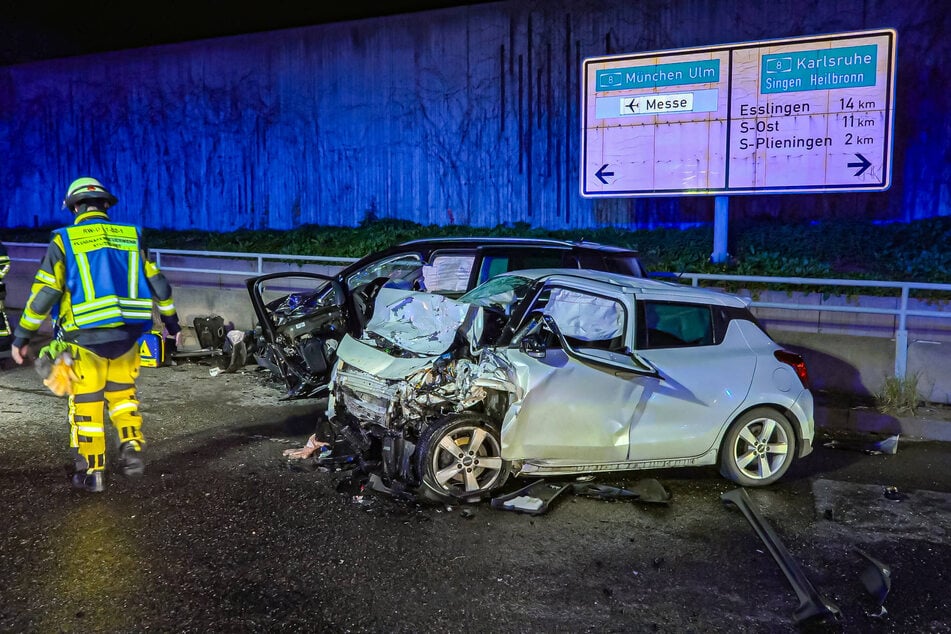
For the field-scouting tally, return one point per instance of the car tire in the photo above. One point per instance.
(459, 458)
(758, 448)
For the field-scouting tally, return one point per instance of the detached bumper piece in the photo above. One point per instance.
(877, 579)
(812, 605)
(533, 499)
(649, 491)
(536, 498)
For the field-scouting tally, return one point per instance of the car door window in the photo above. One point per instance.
(587, 321)
(673, 325)
(448, 274)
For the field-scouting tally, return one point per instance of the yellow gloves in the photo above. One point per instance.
(55, 365)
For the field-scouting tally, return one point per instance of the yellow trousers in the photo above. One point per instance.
(102, 383)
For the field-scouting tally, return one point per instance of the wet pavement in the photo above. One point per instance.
(223, 533)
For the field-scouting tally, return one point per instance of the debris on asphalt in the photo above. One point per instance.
(877, 579)
(533, 499)
(887, 445)
(812, 605)
(227, 351)
(395, 489)
(648, 490)
(523, 503)
(893, 494)
(536, 498)
(309, 449)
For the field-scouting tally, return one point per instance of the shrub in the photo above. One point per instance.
(898, 396)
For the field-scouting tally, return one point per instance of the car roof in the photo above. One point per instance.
(490, 241)
(659, 289)
(431, 245)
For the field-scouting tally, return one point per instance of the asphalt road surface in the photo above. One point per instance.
(223, 533)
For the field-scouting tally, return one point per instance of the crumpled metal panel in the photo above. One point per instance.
(568, 411)
(422, 323)
(363, 396)
(377, 362)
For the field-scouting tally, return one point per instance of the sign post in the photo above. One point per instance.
(809, 114)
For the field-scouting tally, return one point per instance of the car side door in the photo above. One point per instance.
(703, 377)
(576, 377)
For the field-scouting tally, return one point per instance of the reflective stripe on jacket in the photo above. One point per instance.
(106, 283)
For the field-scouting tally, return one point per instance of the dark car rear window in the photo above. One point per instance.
(519, 260)
(612, 263)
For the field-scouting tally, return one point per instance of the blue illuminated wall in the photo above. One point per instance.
(466, 115)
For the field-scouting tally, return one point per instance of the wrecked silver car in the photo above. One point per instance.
(559, 372)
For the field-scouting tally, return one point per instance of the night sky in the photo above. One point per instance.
(32, 30)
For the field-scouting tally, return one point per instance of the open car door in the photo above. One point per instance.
(301, 319)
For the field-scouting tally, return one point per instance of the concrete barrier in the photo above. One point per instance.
(859, 365)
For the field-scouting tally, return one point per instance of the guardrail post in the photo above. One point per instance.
(901, 336)
(901, 353)
(721, 228)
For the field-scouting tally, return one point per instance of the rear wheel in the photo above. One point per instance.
(758, 448)
(460, 458)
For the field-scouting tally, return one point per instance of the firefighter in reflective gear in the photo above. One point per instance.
(98, 286)
(4, 323)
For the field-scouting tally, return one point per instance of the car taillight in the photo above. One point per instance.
(796, 362)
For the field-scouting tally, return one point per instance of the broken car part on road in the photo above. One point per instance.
(536, 498)
(812, 605)
(877, 579)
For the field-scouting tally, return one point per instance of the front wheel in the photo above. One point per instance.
(460, 458)
(758, 448)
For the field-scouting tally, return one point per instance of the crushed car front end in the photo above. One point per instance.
(393, 387)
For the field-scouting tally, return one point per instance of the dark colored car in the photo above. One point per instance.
(303, 316)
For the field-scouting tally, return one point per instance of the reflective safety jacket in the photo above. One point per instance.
(95, 278)
(105, 280)
(4, 267)
(4, 261)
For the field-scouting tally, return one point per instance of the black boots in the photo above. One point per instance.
(130, 459)
(130, 464)
(94, 482)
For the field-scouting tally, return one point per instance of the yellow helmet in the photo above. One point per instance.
(87, 189)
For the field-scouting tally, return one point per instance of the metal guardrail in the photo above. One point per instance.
(258, 258)
(902, 311)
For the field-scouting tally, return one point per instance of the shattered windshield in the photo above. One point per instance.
(500, 292)
(405, 267)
